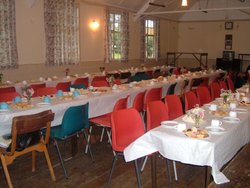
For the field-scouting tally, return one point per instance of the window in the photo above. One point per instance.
(150, 39)
(150, 44)
(8, 49)
(62, 32)
(116, 36)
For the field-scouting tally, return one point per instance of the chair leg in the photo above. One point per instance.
(33, 161)
(109, 138)
(88, 140)
(49, 163)
(60, 157)
(112, 168)
(88, 145)
(103, 129)
(144, 163)
(6, 172)
(137, 174)
(168, 170)
(175, 171)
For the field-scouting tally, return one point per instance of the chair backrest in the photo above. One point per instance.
(215, 90)
(153, 94)
(126, 127)
(203, 95)
(138, 102)
(36, 86)
(121, 104)
(84, 81)
(74, 120)
(100, 83)
(46, 91)
(7, 89)
(204, 81)
(190, 100)
(8, 96)
(64, 86)
(176, 71)
(223, 85)
(195, 82)
(171, 89)
(78, 86)
(31, 123)
(230, 84)
(174, 105)
(156, 113)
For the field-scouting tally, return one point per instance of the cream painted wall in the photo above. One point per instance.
(31, 43)
(210, 37)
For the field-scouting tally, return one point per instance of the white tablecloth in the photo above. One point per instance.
(214, 151)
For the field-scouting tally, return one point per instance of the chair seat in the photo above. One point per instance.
(104, 120)
(57, 133)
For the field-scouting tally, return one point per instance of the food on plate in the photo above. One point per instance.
(67, 97)
(220, 113)
(22, 105)
(244, 103)
(196, 133)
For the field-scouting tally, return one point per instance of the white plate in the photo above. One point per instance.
(240, 110)
(215, 130)
(231, 119)
(4, 110)
(43, 104)
(171, 124)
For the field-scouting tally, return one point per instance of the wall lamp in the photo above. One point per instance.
(94, 25)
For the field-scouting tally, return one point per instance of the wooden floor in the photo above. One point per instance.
(85, 173)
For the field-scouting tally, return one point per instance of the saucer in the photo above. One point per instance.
(231, 119)
(215, 130)
(171, 124)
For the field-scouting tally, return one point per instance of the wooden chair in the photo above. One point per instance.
(27, 124)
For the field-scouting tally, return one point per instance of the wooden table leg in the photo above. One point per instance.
(153, 170)
(74, 145)
(207, 175)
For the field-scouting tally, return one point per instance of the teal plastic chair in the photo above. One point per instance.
(78, 86)
(75, 121)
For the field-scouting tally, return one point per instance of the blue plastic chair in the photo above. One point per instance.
(75, 121)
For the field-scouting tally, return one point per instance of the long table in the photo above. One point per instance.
(98, 105)
(214, 151)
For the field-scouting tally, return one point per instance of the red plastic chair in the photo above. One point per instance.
(176, 71)
(138, 102)
(100, 83)
(230, 84)
(190, 100)
(215, 90)
(223, 85)
(153, 94)
(105, 120)
(64, 86)
(7, 89)
(117, 81)
(127, 126)
(205, 82)
(46, 91)
(84, 81)
(203, 95)
(36, 86)
(156, 113)
(174, 105)
(8, 96)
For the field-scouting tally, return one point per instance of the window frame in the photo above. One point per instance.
(148, 35)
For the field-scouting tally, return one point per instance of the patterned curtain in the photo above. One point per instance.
(157, 39)
(61, 32)
(124, 35)
(8, 48)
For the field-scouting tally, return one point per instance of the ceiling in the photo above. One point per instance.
(197, 10)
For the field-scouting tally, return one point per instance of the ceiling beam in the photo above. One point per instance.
(142, 9)
(248, 13)
(196, 10)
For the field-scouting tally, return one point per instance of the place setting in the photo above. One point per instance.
(215, 127)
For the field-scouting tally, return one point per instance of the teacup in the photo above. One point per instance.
(232, 105)
(46, 99)
(59, 93)
(216, 123)
(4, 105)
(213, 107)
(233, 114)
(17, 99)
(181, 127)
(76, 93)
